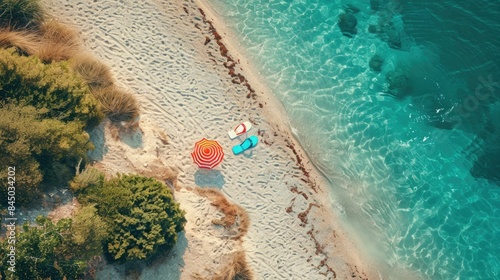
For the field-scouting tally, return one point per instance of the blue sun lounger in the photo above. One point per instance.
(250, 142)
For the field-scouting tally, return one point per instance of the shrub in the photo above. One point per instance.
(56, 251)
(89, 177)
(143, 216)
(38, 254)
(44, 111)
(59, 42)
(21, 13)
(55, 87)
(88, 232)
(32, 144)
(95, 73)
(118, 105)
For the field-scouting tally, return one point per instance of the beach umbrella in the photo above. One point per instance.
(207, 153)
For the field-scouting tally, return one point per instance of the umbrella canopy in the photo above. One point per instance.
(207, 153)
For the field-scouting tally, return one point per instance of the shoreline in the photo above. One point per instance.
(184, 87)
(315, 177)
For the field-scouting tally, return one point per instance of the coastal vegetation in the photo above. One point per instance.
(237, 268)
(58, 42)
(49, 41)
(24, 42)
(51, 94)
(53, 87)
(236, 221)
(45, 109)
(57, 250)
(44, 251)
(235, 217)
(96, 74)
(141, 212)
(117, 104)
(128, 217)
(43, 147)
(21, 13)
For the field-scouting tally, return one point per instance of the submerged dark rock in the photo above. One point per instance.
(347, 24)
(375, 5)
(392, 36)
(485, 151)
(388, 30)
(399, 84)
(446, 125)
(372, 28)
(351, 9)
(487, 166)
(376, 63)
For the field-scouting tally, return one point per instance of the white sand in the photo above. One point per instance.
(157, 50)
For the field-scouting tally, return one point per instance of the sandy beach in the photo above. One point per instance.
(185, 68)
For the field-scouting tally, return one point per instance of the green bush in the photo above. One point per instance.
(44, 109)
(21, 13)
(88, 232)
(27, 81)
(90, 176)
(32, 144)
(38, 254)
(144, 219)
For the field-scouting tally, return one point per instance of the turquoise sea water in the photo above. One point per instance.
(412, 152)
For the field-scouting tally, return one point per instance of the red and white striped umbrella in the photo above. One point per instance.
(207, 153)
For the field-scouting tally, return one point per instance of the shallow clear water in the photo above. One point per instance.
(414, 159)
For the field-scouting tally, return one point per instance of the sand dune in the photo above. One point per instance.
(170, 56)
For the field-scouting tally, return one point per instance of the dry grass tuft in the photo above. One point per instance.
(119, 130)
(236, 269)
(163, 173)
(163, 137)
(59, 33)
(94, 72)
(233, 213)
(49, 52)
(117, 104)
(26, 43)
(53, 42)
(59, 42)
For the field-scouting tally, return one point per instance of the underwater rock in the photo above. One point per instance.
(446, 125)
(399, 84)
(485, 148)
(392, 36)
(376, 63)
(387, 30)
(351, 9)
(487, 165)
(374, 5)
(372, 28)
(347, 24)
